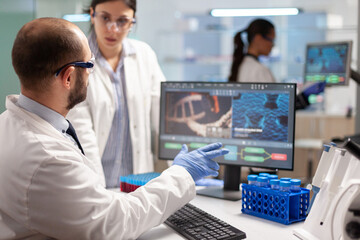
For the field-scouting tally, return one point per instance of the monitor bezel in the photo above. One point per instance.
(329, 43)
(215, 83)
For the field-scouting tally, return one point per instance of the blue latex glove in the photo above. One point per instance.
(314, 88)
(199, 162)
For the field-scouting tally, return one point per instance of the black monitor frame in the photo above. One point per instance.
(232, 174)
(330, 44)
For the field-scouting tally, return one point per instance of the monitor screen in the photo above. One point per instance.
(254, 121)
(328, 61)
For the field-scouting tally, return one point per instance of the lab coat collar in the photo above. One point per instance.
(253, 56)
(49, 115)
(13, 107)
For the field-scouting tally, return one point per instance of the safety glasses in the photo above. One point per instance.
(272, 40)
(88, 65)
(121, 24)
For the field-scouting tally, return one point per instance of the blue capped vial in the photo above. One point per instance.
(285, 179)
(264, 174)
(275, 184)
(262, 181)
(284, 186)
(252, 179)
(272, 176)
(295, 185)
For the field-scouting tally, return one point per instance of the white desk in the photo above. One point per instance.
(230, 212)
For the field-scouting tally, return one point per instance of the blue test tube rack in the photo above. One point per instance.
(275, 205)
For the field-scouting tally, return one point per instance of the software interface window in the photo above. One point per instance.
(254, 121)
(328, 62)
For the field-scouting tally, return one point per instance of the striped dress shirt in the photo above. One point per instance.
(117, 158)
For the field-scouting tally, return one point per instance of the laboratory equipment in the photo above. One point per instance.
(254, 121)
(335, 213)
(194, 223)
(280, 206)
(273, 176)
(285, 179)
(275, 184)
(284, 186)
(295, 185)
(131, 182)
(264, 174)
(329, 62)
(262, 181)
(252, 179)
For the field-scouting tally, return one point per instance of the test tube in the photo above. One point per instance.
(274, 184)
(272, 176)
(295, 185)
(264, 174)
(285, 179)
(262, 181)
(284, 186)
(267, 176)
(252, 179)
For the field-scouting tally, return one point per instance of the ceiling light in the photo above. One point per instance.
(241, 12)
(77, 17)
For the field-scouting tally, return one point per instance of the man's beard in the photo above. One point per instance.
(78, 94)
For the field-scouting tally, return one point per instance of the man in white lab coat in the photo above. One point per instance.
(48, 188)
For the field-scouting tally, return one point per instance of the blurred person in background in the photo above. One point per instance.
(246, 66)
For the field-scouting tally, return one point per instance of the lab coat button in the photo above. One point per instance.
(134, 126)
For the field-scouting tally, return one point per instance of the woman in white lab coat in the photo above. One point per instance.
(118, 123)
(246, 66)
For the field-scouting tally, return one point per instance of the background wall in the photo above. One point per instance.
(339, 23)
(13, 15)
(171, 26)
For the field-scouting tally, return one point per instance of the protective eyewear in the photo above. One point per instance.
(272, 40)
(88, 65)
(121, 23)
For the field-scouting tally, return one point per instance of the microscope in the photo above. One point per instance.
(334, 210)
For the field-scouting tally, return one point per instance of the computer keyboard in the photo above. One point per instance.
(194, 223)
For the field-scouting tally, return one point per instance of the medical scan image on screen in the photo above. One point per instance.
(328, 62)
(261, 116)
(254, 121)
(198, 114)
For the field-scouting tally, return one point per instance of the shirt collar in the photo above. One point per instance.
(49, 115)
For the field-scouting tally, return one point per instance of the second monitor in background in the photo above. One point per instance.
(328, 61)
(254, 121)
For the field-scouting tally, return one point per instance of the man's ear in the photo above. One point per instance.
(67, 76)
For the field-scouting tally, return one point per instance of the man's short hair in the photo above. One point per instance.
(41, 47)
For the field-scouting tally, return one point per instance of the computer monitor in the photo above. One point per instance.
(328, 61)
(254, 121)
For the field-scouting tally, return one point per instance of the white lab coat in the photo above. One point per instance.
(251, 70)
(49, 189)
(93, 118)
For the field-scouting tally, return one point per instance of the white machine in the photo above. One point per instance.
(334, 212)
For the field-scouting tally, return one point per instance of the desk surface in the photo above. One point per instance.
(230, 212)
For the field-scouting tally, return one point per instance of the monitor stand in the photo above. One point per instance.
(231, 190)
